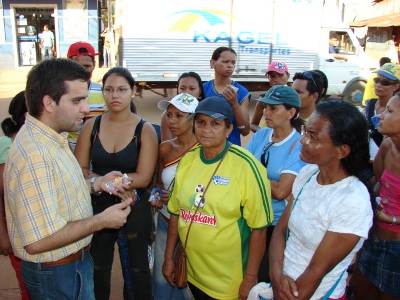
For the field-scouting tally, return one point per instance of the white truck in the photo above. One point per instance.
(161, 39)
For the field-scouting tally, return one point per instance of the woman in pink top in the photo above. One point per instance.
(377, 275)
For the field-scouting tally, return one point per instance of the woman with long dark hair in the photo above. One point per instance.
(329, 214)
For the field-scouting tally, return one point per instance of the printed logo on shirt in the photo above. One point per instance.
(200, 218)
(220, 180)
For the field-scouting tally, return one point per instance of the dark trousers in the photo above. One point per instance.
(263, 272)
(138, 232)
(198, 294)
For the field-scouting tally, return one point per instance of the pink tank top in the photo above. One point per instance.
(390, 198)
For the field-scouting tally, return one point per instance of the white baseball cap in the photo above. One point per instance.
(183, 102)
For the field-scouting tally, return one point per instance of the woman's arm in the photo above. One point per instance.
(257, 115)
(256, 253)
(162, 151)
(333, 248)
(147, 158)
(282, 188)
(5, 244)
(168, 268)
(240, 111)
(284, 287)
(82, 148)
(379, 161)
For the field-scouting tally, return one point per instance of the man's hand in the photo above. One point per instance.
(116, 215)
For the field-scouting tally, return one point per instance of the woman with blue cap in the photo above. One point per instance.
(277, 147)
(220, 208)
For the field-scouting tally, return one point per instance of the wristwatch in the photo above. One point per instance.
(92, 191)
(394, 220)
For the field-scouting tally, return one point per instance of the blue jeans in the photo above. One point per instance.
(47, 53)
(66, 282)
(162, 290)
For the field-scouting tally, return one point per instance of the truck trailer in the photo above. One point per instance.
(159, 40)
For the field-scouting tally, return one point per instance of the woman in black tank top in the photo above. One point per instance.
(120, 140)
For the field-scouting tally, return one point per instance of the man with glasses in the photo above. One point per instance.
(369, 92)
(308, 85)
(83, 53)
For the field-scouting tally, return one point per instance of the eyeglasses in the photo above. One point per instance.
(310, 76)
(264, 161)
(111, 91)
(310, 139)
(384, 82)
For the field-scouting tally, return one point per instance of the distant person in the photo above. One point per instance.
(333, 42)
(308, 85)
(106, 48)
(189, 83)
(10, 127)
(84, 54)
(369, 92)
(377, 273)
(277, 74)
(47, 43)
(47, 199)
(223, 61)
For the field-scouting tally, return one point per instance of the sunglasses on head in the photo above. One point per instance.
(384, 82)
(310, 76)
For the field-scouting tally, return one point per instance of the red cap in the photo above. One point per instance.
(278, 67)
(81, 49)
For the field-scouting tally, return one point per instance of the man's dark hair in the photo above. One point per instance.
(49, 78)
(314, 82)
(384, 60)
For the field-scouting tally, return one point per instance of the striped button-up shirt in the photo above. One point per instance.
(44, 190)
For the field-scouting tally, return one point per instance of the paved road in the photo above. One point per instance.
(12, 82)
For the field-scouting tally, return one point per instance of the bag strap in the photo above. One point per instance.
(329, 293)
(138, 133)
(205, 190)
(297, 198)
(95, 130)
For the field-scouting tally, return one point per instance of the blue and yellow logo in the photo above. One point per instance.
(191, 16)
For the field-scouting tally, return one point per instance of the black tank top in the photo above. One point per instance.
(124, 161)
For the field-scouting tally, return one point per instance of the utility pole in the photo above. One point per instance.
(111, 32)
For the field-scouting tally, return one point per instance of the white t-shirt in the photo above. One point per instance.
(342, 207)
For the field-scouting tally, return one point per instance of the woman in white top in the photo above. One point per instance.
(329, 214)
(169, 154)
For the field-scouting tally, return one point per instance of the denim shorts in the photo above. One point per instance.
(379, 261)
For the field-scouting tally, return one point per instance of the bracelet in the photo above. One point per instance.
(394, 221)
(92, 191)
(241, 127)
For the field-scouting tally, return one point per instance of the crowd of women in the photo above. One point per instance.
(293, 208)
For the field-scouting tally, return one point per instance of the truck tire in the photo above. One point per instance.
(354, 93)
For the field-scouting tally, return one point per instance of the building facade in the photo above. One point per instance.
(22, 24)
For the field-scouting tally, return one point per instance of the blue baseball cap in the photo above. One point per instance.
(281, 94)
(215, 107)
